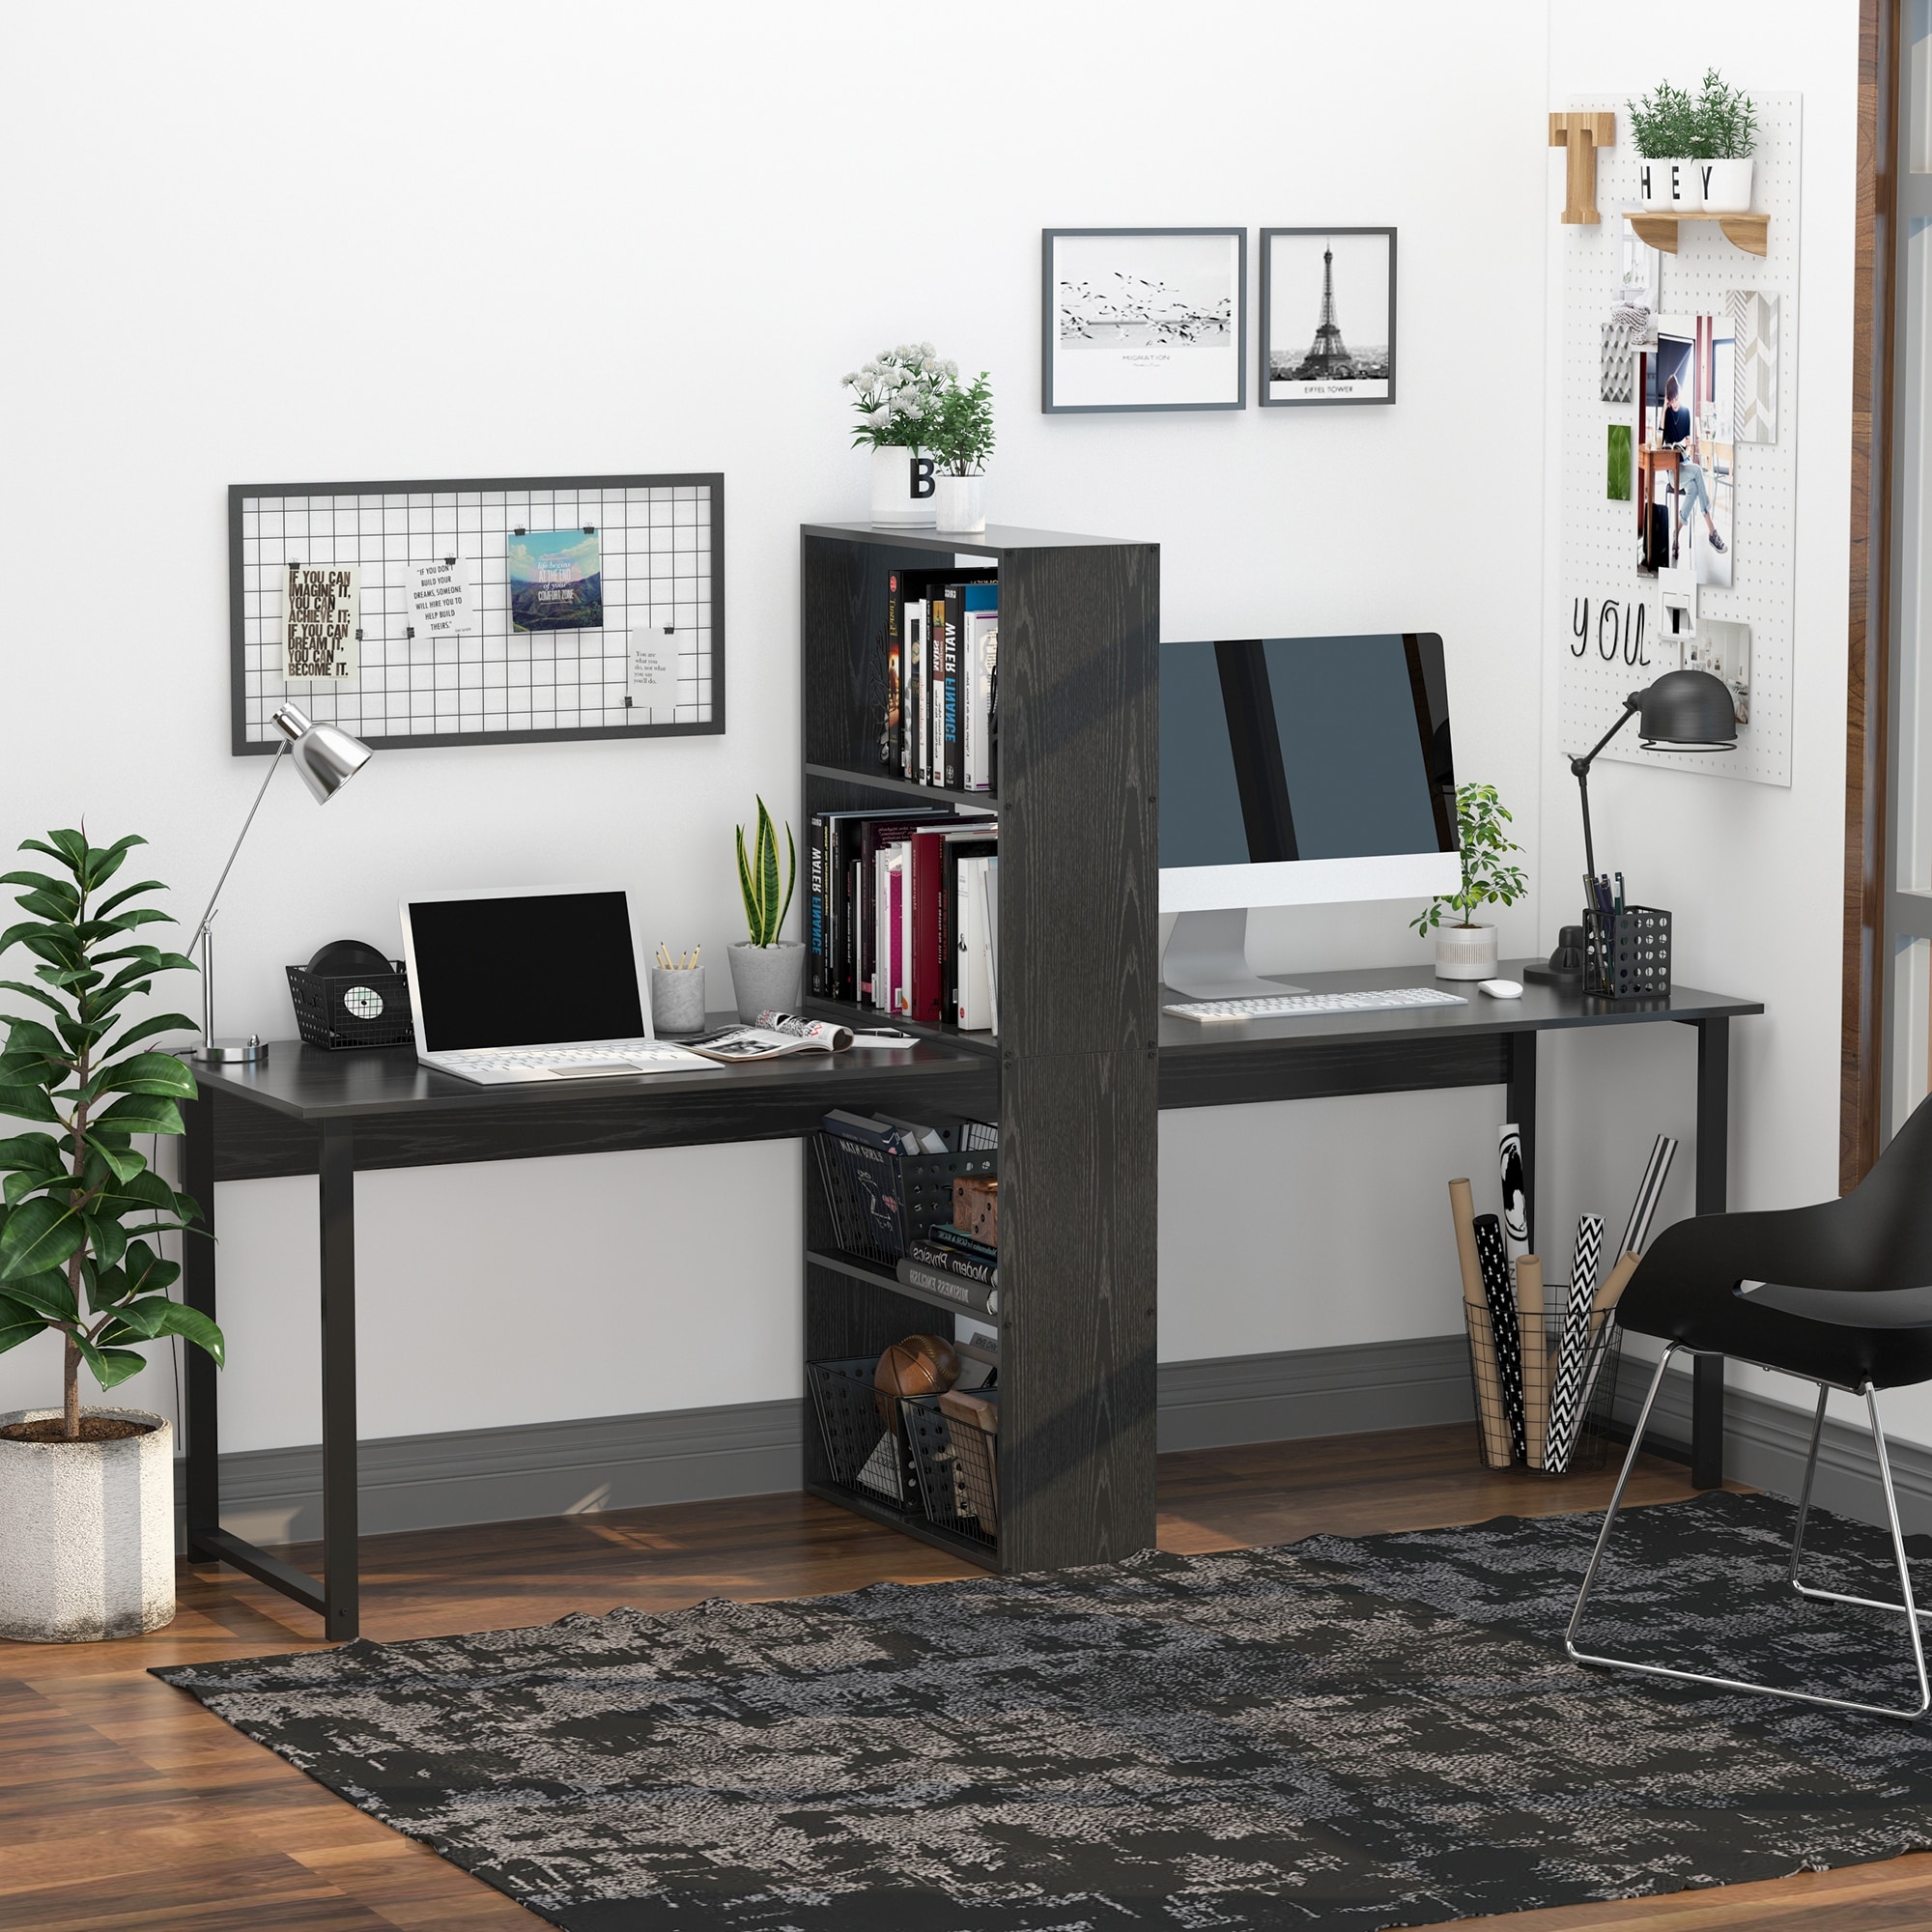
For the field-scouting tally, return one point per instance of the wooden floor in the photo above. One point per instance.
(124, 1804)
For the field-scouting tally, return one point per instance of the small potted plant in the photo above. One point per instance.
(1724, 138)
(897, 395)
(961, 439)
(1465, 949)
(766, 971)
(86, 1530)
(1663, 124)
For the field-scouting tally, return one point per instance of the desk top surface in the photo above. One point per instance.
(308, 1083)
(1541, 1009)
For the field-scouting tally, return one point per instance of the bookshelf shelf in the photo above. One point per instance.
(1074, 1058)
(870, 1271)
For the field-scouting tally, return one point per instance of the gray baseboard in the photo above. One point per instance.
(693, 1455)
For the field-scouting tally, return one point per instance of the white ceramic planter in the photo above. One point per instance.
(961, 503)
(87, 1533)
(1465, 952)
(1727, 187)
(766, 977)
(1671, 186)
(903, 487)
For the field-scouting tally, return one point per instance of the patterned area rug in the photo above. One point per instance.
(1382, 1732)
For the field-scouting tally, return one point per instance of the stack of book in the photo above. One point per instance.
(949, 1261)
(904, 915)
(941, 725)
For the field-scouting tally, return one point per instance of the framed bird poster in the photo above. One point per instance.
(1143, 319)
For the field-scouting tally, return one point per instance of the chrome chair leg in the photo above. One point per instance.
(1805, 1589)
(1906, 1608)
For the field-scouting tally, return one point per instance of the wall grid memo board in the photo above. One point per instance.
(661, 542)
(1599, 550)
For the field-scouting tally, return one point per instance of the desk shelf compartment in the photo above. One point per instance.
(862, 1454)
(957, 1463)
(880, 1201)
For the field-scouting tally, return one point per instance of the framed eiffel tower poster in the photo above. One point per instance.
(1328, 323)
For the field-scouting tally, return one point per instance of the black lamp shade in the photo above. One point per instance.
(1688, 707)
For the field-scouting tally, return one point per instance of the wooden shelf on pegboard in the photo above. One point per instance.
(1659, 230)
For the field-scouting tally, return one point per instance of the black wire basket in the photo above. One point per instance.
(879, 1201)
(347, 1009)
(956, 1460)
(1582, 1411)
(863, 1452)
(1627, 955)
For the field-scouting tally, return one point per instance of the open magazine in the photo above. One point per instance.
(775, 1035)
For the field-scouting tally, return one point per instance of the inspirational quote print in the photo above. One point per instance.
(320, 615)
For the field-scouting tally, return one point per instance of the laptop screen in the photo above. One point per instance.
(534, 970)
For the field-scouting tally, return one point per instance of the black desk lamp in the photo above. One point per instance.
(1683, 710)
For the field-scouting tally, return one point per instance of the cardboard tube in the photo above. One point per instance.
(1535, 1357)
(1492, 1414)
(1613, 1290)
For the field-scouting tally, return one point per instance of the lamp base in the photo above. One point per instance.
(232, 1052)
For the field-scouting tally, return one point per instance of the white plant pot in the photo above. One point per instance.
(1465, 952)
(961, 503)
(766, 977)
(87, 1533)
(1727, 187)
(903, 487)
(1671, 186)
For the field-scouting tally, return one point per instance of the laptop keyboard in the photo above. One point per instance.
(614, 1055)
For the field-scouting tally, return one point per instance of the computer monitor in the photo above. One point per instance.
(1298, 771)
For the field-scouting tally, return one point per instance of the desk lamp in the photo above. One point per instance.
(327, 760)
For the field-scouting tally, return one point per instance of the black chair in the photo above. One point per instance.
(1840, 1294)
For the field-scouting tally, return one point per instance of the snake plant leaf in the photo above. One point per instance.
(746, 889)
(791, 879)
(768, 873)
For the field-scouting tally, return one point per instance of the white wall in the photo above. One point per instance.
(759, 220)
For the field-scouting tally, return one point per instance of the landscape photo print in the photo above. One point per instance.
(1143, 319)
(1327, 315)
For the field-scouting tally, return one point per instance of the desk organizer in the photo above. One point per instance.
(862, 1452)
(880, 1201)
(1627, 955)
(1590, 1443)
(347, 1009)
(956, 1463)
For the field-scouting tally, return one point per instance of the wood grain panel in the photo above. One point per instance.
(1079, 766)
(1077, 1231)
(1210, 1075)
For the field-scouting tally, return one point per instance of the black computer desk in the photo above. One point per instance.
(303, 1111)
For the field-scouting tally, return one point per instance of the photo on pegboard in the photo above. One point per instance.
(1617, 361)
(1687, 454)
(556, 581)
(1617, 476)
(1752, 316)
(1724, 649)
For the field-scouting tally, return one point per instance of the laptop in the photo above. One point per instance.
(537, 984)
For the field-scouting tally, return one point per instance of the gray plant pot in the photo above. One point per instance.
(767, 977)
(87, 1533)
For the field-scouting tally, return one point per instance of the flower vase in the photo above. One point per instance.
(903, 487)
(961, 503)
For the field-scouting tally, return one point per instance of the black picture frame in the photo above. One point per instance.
(1265, 379)
(1051, 405)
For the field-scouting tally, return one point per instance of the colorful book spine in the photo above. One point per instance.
(935, 1253)
(1500, 1302)
(890, 753)
(958, 1241)
(816, 912)
(952, 1286)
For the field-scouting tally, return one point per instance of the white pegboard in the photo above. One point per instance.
(1598, 546)
(662, 560)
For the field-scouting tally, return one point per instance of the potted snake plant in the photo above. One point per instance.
(87, 1533)
(767, 972)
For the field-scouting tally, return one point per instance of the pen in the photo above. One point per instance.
(1619, 903)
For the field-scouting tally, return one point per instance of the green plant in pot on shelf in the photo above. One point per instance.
(1465, 950)
(87, 1494)
(767, 972)
(1695, 149)
(962, 439)
(897, 397)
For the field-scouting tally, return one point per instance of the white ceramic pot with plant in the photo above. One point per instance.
(1663, 128)
(896, 395)
(1465, 948)
(1725, 139)
(767, 972)
(87, 1494)
(962, 439)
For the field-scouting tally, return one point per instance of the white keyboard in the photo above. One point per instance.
(535, 1062)
(1297, 1006)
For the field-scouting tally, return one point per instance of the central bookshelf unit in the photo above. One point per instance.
(1071, 1074)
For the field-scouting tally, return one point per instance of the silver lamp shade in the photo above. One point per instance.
(326, 757)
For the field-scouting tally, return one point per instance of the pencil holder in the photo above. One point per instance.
(1627, 955)
(677, 999)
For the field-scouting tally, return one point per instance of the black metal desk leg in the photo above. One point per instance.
(336, 1192)
(1713, 1160)
(1523, 1111)
(204, 1468)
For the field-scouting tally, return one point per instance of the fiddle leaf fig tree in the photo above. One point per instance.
(79, 1207)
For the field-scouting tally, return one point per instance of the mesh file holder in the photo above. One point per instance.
(880, 1201)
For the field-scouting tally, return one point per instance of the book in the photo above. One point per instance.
(814, 929)
(928, 852)
(893, 866)
(972, 994)
(978, 655)
(969, 840)
(956, 1240)
(931, 599)
(987, 879)
(861, 1128)
(876, 830)
(828, 1034)
(956, 1288)
(734, 1046)
(917, 696)
(890, 753)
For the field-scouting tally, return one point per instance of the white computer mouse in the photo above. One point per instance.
(1501, 989)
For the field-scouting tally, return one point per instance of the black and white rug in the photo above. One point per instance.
(1380, 1732)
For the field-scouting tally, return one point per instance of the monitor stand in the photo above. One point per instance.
(1207, 958)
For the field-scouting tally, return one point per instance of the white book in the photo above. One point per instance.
(973, 997)
(975, 685)
(989, 902)
(900, 889)
(917, 690)
(877, 987)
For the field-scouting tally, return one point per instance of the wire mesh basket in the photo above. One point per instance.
(1574, 1431)
(879, 1200)
(956, 1458)
(863, 1452)
(1627, 955)
(346, 1010)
